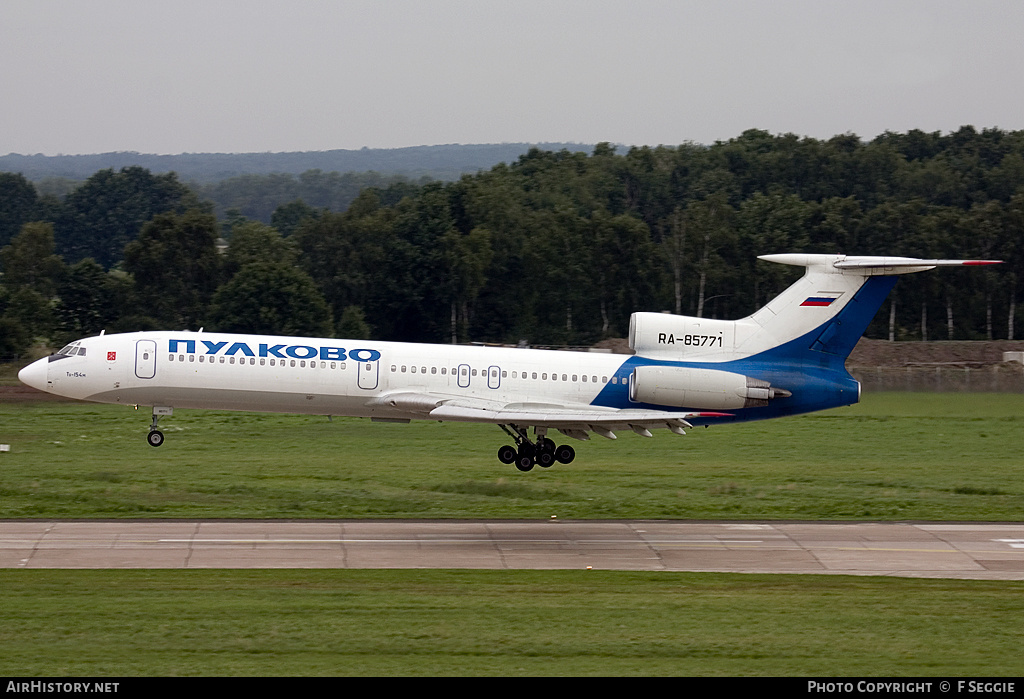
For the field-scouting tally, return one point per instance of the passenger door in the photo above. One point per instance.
(368, 374)
(145, 359)
(493, 377)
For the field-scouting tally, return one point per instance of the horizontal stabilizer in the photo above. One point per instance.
(870, 264)
(901, 265)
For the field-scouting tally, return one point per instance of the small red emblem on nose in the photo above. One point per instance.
(111, 356)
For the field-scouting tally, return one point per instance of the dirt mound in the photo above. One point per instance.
(882, 353)
(22, 394)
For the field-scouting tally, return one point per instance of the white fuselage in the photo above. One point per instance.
(318, 375)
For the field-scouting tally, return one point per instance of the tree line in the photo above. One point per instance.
(557, 247)
(442, 162)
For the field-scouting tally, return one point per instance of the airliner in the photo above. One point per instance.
(786, 358)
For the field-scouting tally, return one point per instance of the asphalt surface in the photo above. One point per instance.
(932, 550)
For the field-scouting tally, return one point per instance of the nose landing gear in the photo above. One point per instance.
(526, 454)
(155, 436)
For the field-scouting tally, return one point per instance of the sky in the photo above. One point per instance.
(233, 76)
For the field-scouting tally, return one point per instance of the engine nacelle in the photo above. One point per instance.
(706, 389)
(681, 337)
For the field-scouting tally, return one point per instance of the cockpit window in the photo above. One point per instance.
(73, 349)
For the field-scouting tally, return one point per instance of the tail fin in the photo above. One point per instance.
(837, 297)
(827, 311)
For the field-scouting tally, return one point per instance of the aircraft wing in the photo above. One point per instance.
(574, 420)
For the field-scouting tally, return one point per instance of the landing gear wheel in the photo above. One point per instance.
(565, 454)
(525, 457)
(545, 452)
(524, 463)
(507, 454)
(155, 438)
(545, 458)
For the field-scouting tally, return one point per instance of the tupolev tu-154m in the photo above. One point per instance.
(787, 358)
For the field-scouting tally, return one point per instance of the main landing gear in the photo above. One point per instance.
(526, 454)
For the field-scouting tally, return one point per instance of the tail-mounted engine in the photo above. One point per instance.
(682, 338)
(706, 389)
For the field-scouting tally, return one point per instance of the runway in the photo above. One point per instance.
(932, 550)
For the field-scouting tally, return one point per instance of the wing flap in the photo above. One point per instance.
(568, 417)
(574, 420)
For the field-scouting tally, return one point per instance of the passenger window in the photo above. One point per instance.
(584, 378)
(433, 370)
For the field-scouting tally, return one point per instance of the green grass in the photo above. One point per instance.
(894, 456)
(310, 622)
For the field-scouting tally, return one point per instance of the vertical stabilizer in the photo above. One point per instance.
(826, 311)
(835, 301)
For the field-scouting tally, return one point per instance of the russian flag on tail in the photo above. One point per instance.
(821, 299)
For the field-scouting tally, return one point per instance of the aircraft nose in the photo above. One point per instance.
(34, 374)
